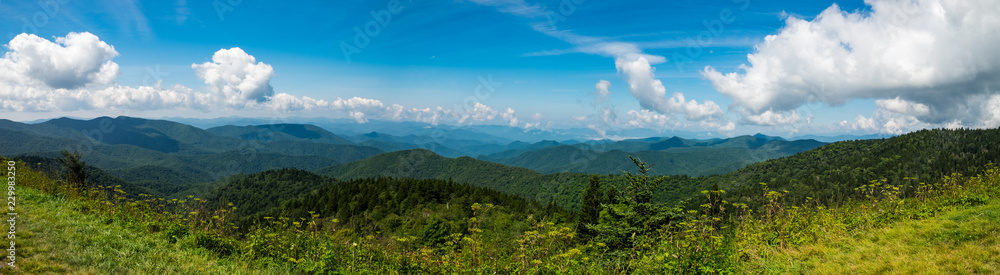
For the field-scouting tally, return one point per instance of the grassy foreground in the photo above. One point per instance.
(951, 226)
(56, 235)
(960, 241)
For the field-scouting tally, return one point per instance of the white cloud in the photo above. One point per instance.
(887, 122)
(991, 118)
(601, 133)
(602, 91)
(237, 77)
(729, 126)
(925, 58)
(863, 123)
(359, 116)
(629, 60)
(146, 98)
(772, 118)
(483, 113)
(721, 127)
(901, 106)
(652, 94)
(357, 103)
(510, 117)
(71, 62)
(646, 118)
(76, 74)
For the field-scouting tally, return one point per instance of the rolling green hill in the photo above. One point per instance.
(389, 225)
(827, 173)
(831, 172)
(674, 156)
(561, 188)
(259, 192)
(279, 132)
(169, 157)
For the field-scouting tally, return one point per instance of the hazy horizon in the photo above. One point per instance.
(725, 68)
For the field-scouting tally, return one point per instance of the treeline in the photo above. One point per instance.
(392, 206)
(830, 174)
(402, 225)
(427, 208)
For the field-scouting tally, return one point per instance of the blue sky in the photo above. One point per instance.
(431, 54)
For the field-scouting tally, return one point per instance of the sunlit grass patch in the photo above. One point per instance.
(57, 239)
(957, 241)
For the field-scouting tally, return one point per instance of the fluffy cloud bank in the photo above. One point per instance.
(73, 61)
(237, 76)
(652, 95)
(636, 68)
(76, 72)
(933, 60)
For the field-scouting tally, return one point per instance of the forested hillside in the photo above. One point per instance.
(828, 173)
(298, 222)
(165, 157)
(674, 156)
(831, 173)
(562, 188)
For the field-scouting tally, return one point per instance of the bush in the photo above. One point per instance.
(219, 245)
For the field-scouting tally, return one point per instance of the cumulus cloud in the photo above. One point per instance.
(630, 60)
(483, 113)
(992, 113)
(645, 118)
(73, 61)
(237, 77)
(602, 91)
(356, 103)
(863, 123)
(901, 106)
(772, 118)
(932, 59)
(721, 127)
(652, 94)
(76, 73)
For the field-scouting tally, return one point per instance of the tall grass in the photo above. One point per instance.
(719, 237)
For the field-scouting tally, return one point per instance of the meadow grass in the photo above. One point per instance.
(56, 237)
(950, 227)
(963, 240)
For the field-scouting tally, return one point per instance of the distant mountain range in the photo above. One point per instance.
(673, 156)
(165, 157)
(498, 133)
(161, 152)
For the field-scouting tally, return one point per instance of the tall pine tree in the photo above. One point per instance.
(591, 209)
(75, 175)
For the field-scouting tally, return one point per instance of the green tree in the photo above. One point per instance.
(591, 208)
(75, 175)
(634, 216)
(435, 232)
(612, 195)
